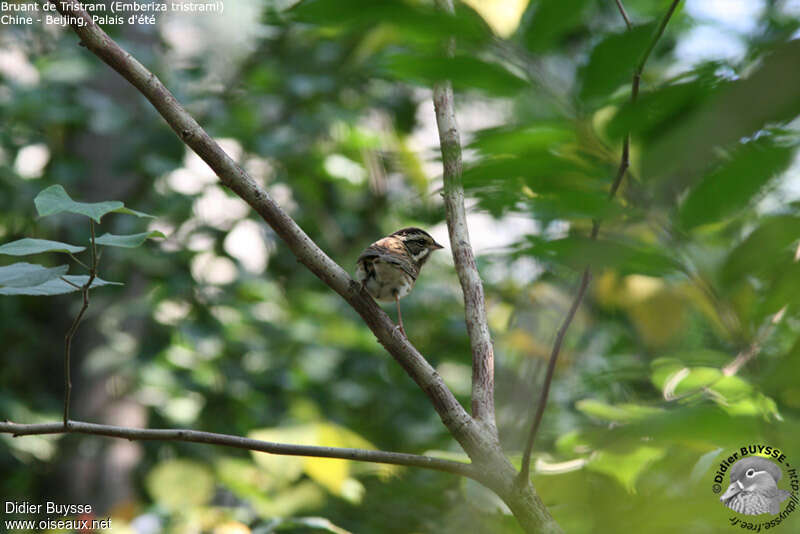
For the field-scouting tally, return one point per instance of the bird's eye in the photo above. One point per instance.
(750, 473)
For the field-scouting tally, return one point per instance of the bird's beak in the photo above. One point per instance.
(732, 490)
(436, 246)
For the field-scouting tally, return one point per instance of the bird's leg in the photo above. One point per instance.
(399, 315)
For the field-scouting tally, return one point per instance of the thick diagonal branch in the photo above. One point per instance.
(474, 303)
(225, 440)
(464, 429)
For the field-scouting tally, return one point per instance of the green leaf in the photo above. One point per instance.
(732, 388)
(613, 61)
(767, 251)
(766, 97)
(579, 252)
(732, 185)
(618, 413)
(697, 379)
(569, 205)
(332, 474)
(549, 20)
(28, 245)
(127, 241)
(663, 369)
(57, 286)
(782, 290)
(315, 523)
(179, 484)
(140, 214)
(656, 111)
(415, 21)
(626, 467)
(55, 200)
(518, 140)
(465, 72)
(29, 274)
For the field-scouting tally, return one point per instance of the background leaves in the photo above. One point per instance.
(326, 105)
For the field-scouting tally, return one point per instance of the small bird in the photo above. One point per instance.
(389, 267)
(754, 487)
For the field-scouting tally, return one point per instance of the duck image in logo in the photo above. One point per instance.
(754, 487)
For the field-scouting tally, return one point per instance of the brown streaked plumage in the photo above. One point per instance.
(389, 267)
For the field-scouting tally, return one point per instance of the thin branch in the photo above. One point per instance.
(585, 278)
(469, 433)
(78, 261)
(624, 14)
(752, 351)
(548, 379)
(225, 440)
(76, 323)
(659, 32)
(73, 284)
(463, 256)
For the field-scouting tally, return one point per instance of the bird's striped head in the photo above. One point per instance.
(418, 242)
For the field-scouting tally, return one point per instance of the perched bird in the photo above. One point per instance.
(754, 487)
(389, 267)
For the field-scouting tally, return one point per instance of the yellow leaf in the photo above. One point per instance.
(179, 484)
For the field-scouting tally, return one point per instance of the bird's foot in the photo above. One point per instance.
(398, 328)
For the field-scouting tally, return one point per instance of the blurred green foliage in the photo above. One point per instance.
(326, 104)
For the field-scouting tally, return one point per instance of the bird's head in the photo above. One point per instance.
(418, 242)
(752, 475)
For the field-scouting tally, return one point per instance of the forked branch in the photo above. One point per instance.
(471, 435)
(463, 256)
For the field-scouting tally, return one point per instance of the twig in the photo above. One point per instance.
(752, 351)
(548, 379)
(73, 284)
(624, 14)
(79, 261)
(463, 256)
(622, 169)
(76, 323)
(467, 431)
(364, 455)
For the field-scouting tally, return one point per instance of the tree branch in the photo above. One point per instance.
(586, 277)
(624, 14)
(77, 322)
(471, 435)
(225, 440)
(548, 379)
(463, 256)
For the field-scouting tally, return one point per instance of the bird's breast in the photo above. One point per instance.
(752, 503)
(382, 280)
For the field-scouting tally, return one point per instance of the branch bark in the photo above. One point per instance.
(473, 437)
(586, 277)
(463, 256)
(478, 439)
(225, 440)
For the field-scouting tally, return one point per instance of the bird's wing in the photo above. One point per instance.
(387, 251)
(774, 493)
